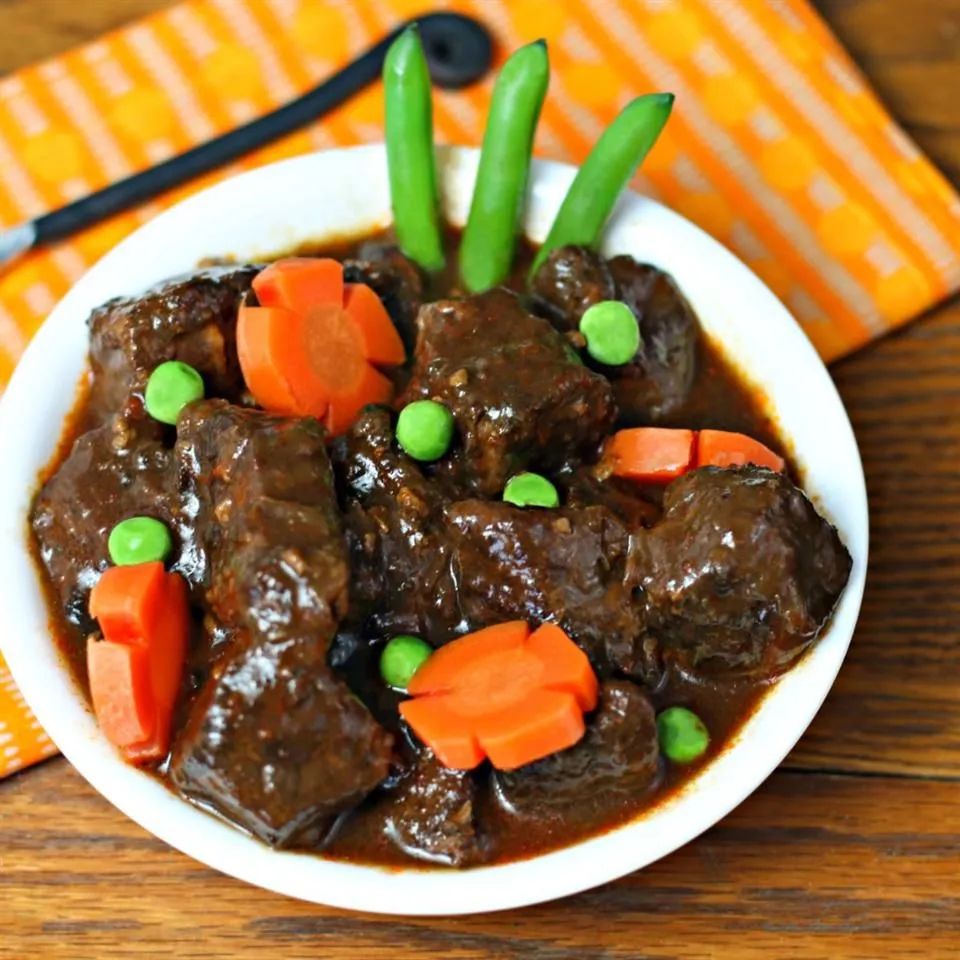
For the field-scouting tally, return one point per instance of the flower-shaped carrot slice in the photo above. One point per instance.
(313, 345)
(503, 693)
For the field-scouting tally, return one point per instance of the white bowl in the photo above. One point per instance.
(342, 192)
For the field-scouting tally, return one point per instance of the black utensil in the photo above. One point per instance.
(458, 50)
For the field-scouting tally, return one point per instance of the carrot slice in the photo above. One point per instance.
(503, 693)
(544, 722)
(120, 691)
(444, 670)
(309, 350)
(650, 454)
(270, 347)
(167, 652)
(449, 734)
(381, 343)
(372, 387)
(126, 601)
(720, 448)
(146, 612)
(299, 283)
(566, 666)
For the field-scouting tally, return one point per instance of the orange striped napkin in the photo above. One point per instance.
(777, 145)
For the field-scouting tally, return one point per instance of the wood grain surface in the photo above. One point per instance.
(851, 850)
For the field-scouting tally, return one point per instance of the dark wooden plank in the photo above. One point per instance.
(811, 865)
(895, 706)
(911, 53)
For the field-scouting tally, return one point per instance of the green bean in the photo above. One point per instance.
(490, 237)
(410, 157)
(600, 181)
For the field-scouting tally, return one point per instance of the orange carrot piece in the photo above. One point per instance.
(371, 387)
(449, 734)
(167, 652)
(650, 454)
(308, 349)
(126, 600)
(720, 448)
(566, 666)
(299, 283)
(146, 612)
(120, 691)
(381, 343)
(446, 668)
(503, 693)
(270, 344)
(544, 722)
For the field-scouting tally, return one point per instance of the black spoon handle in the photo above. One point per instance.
(458, 49)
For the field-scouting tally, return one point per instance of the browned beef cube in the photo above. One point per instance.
(569, 281)
(518, 397)
(741, 573)
(277, 743)
(431, 816)
(274, 740)
(266, 542)
(567, 565)
(399, 550)
(191, 318)
(661, 377)
(107, 476)
(617, 761)
(395, 278)
(658, 380)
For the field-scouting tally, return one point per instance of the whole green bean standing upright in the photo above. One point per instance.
(410, 158)
(490, 237)
(606, 171)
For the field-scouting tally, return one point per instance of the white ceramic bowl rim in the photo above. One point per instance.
(345, 192)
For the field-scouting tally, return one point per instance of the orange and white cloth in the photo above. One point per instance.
(777, 145)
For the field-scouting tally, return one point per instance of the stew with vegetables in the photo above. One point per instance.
(503, 494)
(419, 550)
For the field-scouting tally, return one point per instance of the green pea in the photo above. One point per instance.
(139, 540)
(170, 388)
(611, 331)
(531, 490)
(683, 735)
(425, 429)
(402, 657)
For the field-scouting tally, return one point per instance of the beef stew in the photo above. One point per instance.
(304, 556)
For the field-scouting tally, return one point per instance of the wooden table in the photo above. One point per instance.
(852, 849)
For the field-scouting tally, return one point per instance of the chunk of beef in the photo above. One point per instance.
(111, 473)
(278, 744)
(567, 565)
(518, 398)
(191, 318)
(616, 762)
(431, 816)
(259, 520)
(274, 740)
(399, 551)
(570, 280)
(661, 377)
(395, 278)
(741, 572)
(656, 383)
